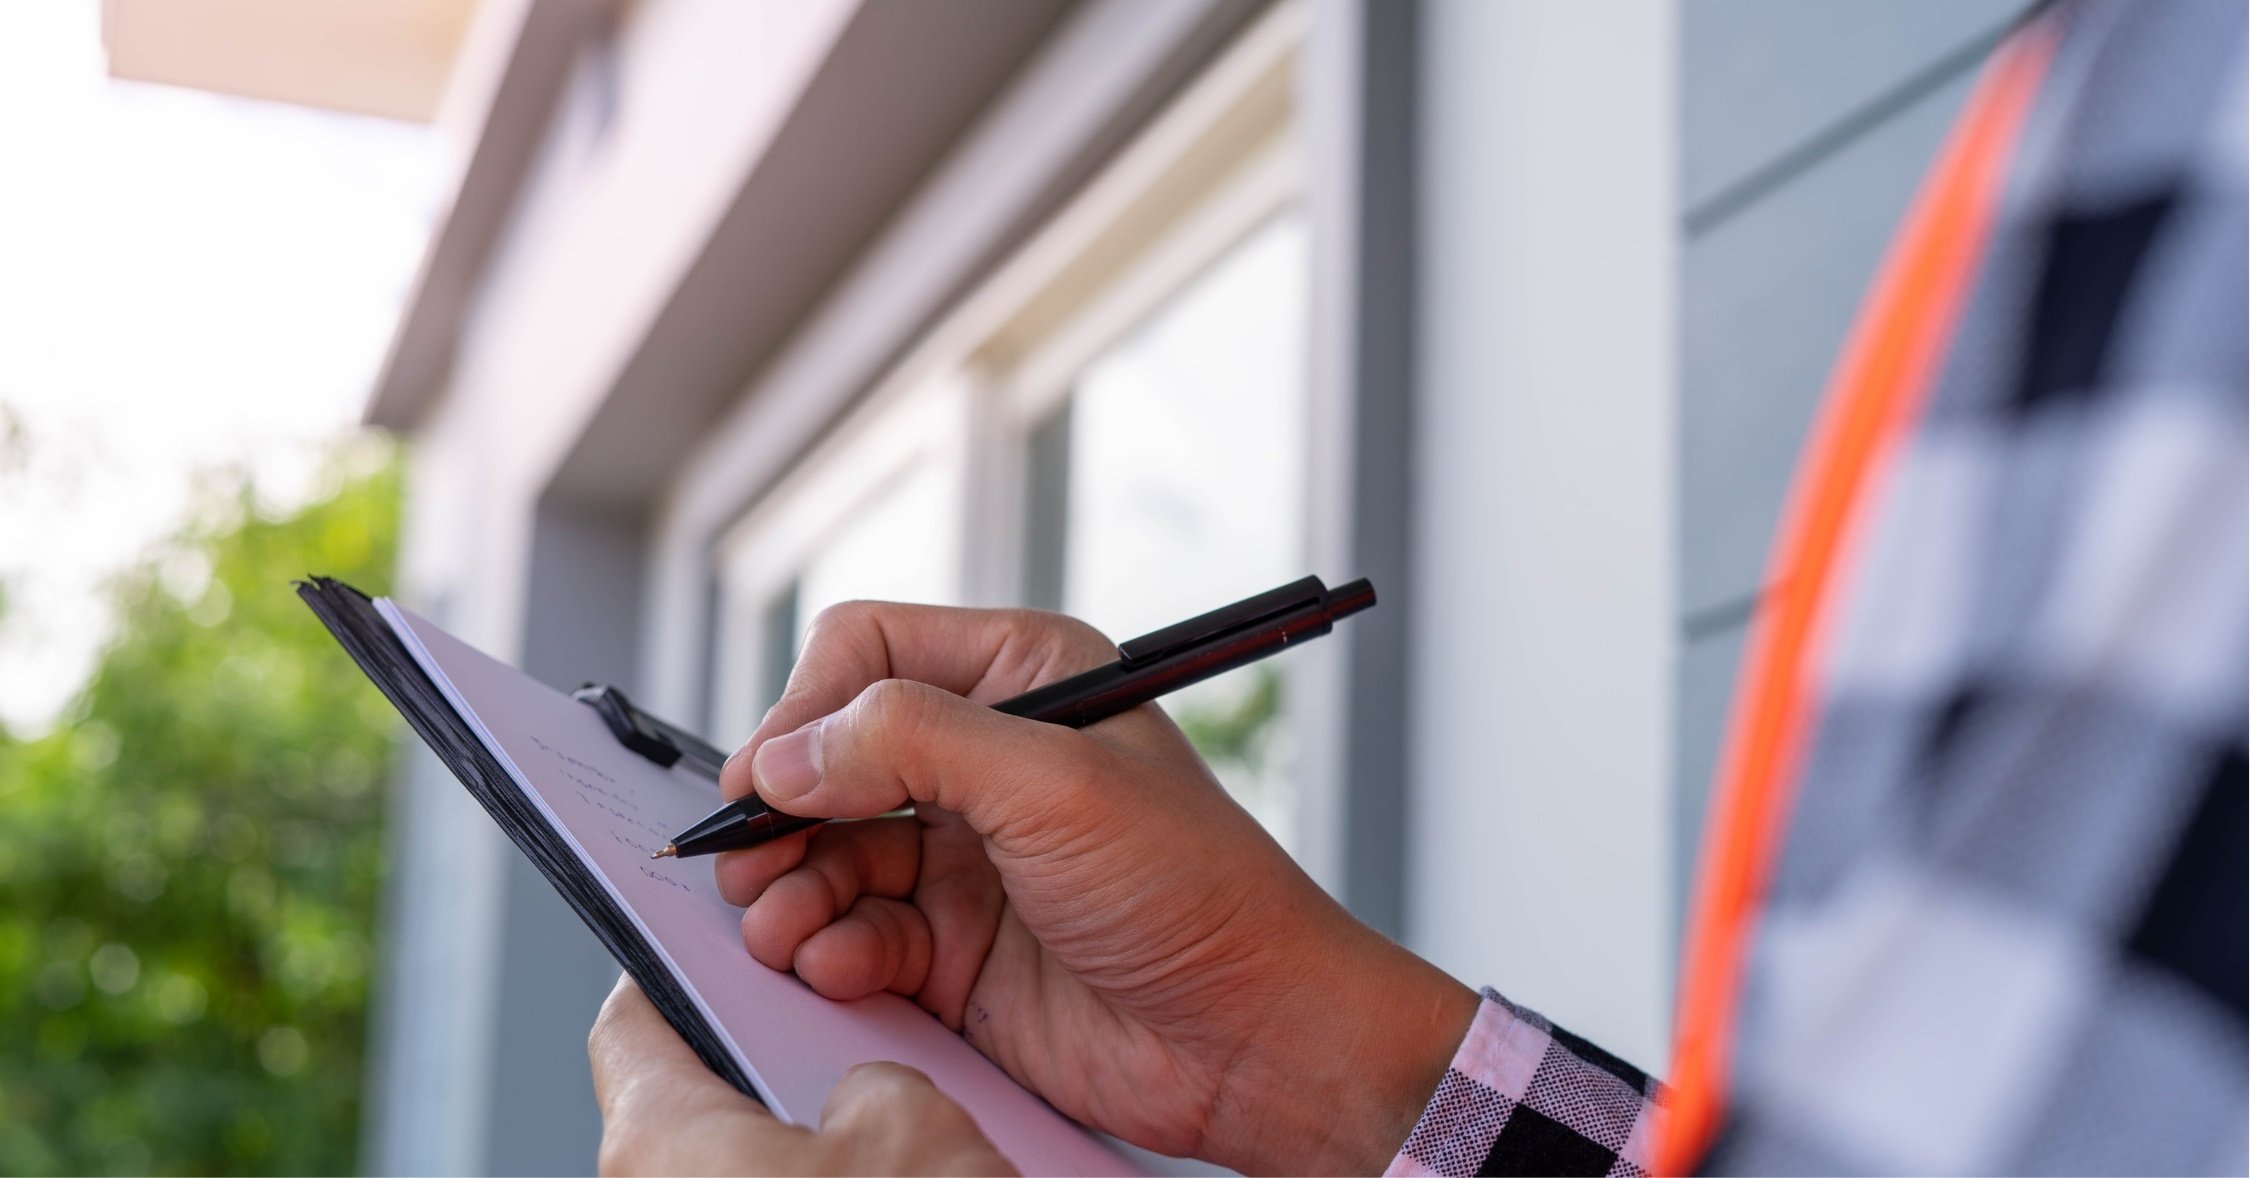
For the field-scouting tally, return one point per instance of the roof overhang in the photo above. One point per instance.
(899, 84)
(511, 74)
(374, 57)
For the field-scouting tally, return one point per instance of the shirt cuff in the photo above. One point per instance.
(1523, 1096)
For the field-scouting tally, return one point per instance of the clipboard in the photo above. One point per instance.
(581, 797)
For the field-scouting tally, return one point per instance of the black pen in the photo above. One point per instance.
(1147, 667)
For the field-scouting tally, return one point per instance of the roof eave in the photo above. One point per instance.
(511, 75)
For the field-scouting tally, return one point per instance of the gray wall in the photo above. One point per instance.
(1805, 128)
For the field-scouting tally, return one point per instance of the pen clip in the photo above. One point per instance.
(1248, 612)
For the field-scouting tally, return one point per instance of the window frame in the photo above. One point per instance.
(1223, 158)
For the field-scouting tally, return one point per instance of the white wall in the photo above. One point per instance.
(1544, 588)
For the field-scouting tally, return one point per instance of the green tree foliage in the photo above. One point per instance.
(1236, 722)
(1237, 731)
(189, 865)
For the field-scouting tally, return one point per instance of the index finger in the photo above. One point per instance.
(987, 655)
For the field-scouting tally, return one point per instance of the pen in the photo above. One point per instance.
(1147, 667)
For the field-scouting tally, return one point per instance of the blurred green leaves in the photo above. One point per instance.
(1235, 731)
(1239, 724)
(189, 863)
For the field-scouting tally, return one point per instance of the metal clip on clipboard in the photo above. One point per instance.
(665, 744)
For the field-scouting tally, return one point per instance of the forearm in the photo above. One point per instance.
(1347, 1063)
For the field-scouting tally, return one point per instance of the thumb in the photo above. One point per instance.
(902, 742)
(644, 1073)
(892, 1120)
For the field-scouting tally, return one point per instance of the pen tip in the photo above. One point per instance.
(668, 852)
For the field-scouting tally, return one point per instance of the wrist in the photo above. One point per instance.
(1344, 1069)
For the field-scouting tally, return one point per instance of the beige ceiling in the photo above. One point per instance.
(377, 57)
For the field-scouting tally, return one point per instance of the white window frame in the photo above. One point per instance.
(764, 553)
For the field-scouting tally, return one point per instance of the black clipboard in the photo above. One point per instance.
(351, 616)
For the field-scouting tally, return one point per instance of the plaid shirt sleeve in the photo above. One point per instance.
(1524, 1096)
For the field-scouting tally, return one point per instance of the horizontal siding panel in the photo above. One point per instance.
(1768, 297)
(1762, 77)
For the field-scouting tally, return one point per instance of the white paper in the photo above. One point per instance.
(615, 807)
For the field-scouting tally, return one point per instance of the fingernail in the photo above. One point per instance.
(788, 766)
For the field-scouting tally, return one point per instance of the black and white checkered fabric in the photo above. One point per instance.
(2007, 929)
(1527, 1097)
(2006, 932)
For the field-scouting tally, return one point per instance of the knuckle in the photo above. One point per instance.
(891, 710)
(884, 1086)
(835, 633)
(1084, 635)
(767, 940)
(844, 617)
(1042, 646)
(892, 1081)
(887, 1076)
(894, 1111)
(835, 628)
(1076, 636)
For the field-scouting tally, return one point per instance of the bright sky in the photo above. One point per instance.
(187, 281)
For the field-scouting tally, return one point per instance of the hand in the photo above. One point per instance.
(663, 1112)
(1088, 907)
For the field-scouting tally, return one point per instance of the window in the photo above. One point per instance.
(883, 550)
(1113, 425)
(874, 514)
(1177, 462)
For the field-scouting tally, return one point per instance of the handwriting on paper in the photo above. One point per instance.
(600, 790)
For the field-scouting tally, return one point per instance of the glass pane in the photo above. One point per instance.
(898, 546)
(777, 642)
(1046, 514)
(1185, 489)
